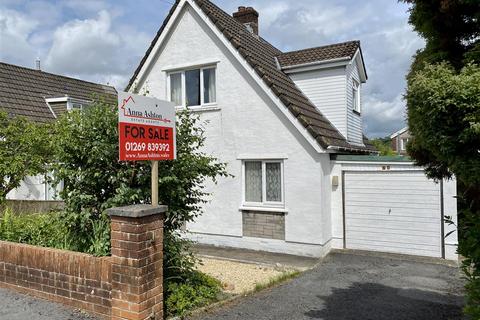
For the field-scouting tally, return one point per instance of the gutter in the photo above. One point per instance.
(338, 148)
(309, 64)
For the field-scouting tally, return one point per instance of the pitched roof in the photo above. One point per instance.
(262, 57)
(399, 132)
(329, 52)
(23, 91)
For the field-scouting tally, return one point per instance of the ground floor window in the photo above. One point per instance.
(263, 182)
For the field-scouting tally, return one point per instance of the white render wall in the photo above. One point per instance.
(326, 89)
(35, 188)
(247, 122)
(354, 120)
(449, 201)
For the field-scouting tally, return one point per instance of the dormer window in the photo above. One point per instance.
(60, 105)
(194, 87)
(356, 96)
(76, 106)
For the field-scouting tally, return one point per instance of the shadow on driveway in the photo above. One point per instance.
(347, 286)
(375, 301)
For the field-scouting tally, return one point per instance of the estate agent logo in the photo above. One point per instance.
(146, 128)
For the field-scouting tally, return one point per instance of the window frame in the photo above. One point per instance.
(264, 203)
(184, 87)
(356, 100)
(403, 143)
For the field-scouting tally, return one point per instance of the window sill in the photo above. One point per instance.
(205, 108)
(263, 209)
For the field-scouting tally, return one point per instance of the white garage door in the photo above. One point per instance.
(396, 212)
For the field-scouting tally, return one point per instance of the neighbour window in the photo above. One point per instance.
(77, 106)
(194, 87)
(263, 181)
(403, 144)
(356, 96)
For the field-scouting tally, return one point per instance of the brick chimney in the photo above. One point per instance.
(249, 17)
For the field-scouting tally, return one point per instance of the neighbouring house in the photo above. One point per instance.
(42, 97)
(290, 127)
(399, 141)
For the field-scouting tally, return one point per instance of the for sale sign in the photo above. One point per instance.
(146, 128)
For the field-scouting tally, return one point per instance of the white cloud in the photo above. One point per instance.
(383, 117)
(15, 30)
(92, 40)
(91, 49)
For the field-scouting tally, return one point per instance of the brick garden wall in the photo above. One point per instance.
(126, 286)
(79, 280)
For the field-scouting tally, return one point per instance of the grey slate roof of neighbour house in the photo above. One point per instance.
(323, 53)
(262, 57)
(23, 91)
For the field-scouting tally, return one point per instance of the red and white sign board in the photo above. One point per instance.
(146, 128)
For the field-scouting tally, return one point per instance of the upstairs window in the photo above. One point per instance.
(195, 87)
(263, 183)
(356, 96)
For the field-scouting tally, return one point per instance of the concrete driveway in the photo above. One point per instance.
(351, 286)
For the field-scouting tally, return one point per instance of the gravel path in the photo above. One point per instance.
(16, 306)
(238, 277)
(347, 287)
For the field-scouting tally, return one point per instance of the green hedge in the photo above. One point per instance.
(196, 291)
(44, 230)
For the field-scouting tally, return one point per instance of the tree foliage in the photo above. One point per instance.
(23, 151)
(451, 29)
(384, 146)
(86, 150)
(443, 100)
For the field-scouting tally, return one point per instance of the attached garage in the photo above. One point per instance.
(394, 212)
(389, 205)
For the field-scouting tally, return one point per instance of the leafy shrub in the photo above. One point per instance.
(444, 118)
(45, 230)
(469, 246)
(384, 146)
(86, 151)
(178, 259)
(196, 291)
(23, 151)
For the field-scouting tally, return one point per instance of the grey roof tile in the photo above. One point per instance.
(262, 56)
(323, 53)
(23, 91)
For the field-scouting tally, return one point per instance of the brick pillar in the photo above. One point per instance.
(137, 257)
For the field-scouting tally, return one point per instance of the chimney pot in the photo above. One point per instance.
(37, 64)
(249, 17)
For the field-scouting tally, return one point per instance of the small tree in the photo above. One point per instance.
(384, 146)
(86, 148)
(23, 151)
(444, 118)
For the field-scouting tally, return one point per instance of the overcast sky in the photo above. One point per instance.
(104, 40)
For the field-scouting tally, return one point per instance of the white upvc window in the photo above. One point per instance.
(356, 96)
(193, 87)
(263, 183)
(403, 143)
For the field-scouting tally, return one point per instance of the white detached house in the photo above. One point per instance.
(286, 124)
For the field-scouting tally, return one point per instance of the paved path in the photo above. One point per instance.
(16, 306)
(252, 256)
(348, 286)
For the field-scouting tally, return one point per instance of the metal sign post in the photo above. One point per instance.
(146, 129)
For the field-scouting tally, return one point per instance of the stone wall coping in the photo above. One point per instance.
(136, 211)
